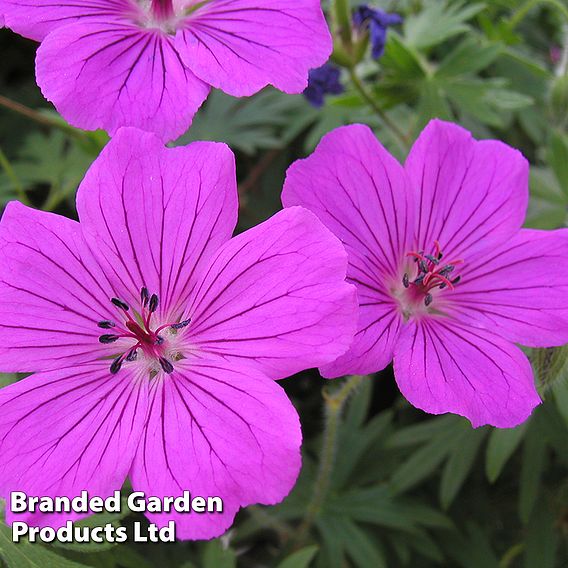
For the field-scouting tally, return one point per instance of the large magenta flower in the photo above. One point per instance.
(447, 279)
(155, 337)
(149, 63)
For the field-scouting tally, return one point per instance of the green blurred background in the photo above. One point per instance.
(407, 489)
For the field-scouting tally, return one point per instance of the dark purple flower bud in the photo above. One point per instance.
(324, 80)
(377, 22)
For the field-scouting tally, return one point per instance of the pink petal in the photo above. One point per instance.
(53, 293)
(241, 46)
(36, 18)
(69, 430)
(443, 366)
(520, 289)
(275, 297)
(360, 192)
(156, 215)
(107, 75)
(216, 430)
(469, 194)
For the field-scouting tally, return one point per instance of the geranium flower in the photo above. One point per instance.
(447, 280)
(155, 338)
(150, 63)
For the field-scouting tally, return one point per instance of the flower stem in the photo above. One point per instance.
(334, 405)
(9, 170)
(520, 14)
(369, 99)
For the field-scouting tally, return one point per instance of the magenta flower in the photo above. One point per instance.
(155, 338)
(447, 280)
(150, 63)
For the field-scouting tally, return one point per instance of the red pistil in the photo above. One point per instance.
(432, 273)
(146, 339)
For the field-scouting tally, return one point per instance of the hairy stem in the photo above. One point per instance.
(334, 405)
(370, 100)
(9, 171)
(522, 12)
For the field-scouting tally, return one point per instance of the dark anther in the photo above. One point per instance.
(108, 338)
(432, 259)
(422, 265)
(188, 321)
(116, 364)
(442, 285)
(132, 355)
(144, 296)
(106, 324)
(419, 279)
(159, 340)
(153, 303)
(166, 365)
(120, 304)
(456, 279)
(440, 255)
(446, 270)
(428, 299)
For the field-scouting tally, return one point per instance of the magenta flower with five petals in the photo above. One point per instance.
(150, 63)
(155, 337)
(447, 280)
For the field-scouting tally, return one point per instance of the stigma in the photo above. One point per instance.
(138, 326)
(431, 273)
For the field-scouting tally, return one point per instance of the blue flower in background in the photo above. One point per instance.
(377, 22)
(324, 80)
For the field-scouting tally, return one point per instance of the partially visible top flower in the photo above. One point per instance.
(447, 280)
(377, 23)
(324, 80)
(150, 63)
(155, 337)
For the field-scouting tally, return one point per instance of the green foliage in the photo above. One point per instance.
(406, 489)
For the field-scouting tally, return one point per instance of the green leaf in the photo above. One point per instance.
(502, 444)
(216, 555)
(542, 537)
(422, 432)
(473, 550)
(459, 464)
(439, 21)
(550, 365)
(534, 457)
(364, 550)
(251, 124)
(426, 460)
(470, 56)
(98, 520)
(300, 559)
(30, 555)
(558, 159)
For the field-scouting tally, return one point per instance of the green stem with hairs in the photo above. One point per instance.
(522, 12)
(370, 100)
(334, 405)
(9, 171)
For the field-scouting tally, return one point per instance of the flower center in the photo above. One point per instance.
(138, 327)
(422, 285)
(162, 10)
